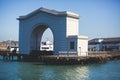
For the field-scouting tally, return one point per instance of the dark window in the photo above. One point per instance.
(72, 45)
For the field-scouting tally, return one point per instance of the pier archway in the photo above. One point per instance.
(37, 35)
(63, 24)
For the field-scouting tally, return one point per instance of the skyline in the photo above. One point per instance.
(98, 18)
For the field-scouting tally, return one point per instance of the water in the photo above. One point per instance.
(36, 71)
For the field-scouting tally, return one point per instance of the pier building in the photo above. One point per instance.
(64, 26)
(104, 44)
(4, 45)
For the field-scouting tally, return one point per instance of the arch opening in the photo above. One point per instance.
(47, 41)
(42, 40)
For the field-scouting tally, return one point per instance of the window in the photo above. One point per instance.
(72, 45)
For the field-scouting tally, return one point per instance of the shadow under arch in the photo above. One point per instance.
(36, 36)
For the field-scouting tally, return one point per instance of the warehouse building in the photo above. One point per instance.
(104, 44)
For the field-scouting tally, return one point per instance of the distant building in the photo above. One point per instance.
(46, 46)
(104, 44)
(9, 43)
(3, 48)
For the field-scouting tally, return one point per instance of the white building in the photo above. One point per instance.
(104, 44)
(64, 26)
(46, 46)
(9, 44)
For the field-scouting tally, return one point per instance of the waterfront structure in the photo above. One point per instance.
(64, 26)
(46, 46)
(104, 44)
(9, 43)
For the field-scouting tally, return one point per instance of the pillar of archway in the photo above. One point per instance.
(63, 25)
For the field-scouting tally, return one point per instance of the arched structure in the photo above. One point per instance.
(36, 36)
(64, 26)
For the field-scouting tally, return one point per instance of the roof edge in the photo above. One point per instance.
(77, 36)
(53, 12)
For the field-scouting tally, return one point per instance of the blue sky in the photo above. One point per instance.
(98, 18)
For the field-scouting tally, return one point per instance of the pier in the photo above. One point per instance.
(47, 57)
(91, 58)
(9, 55)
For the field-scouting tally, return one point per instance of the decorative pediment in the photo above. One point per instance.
(53, 12)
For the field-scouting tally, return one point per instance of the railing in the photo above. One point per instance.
(72, 53)
(90, 53)
(67, 52)
(103, 53)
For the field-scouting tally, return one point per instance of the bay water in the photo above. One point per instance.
(13, 70)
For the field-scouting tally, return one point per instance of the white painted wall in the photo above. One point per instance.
(72, 26)
(82, 46)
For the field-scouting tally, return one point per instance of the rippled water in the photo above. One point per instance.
(36, 71)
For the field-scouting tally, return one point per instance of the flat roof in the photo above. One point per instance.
(104, 40)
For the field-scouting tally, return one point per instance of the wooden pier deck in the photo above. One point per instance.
(90, 58)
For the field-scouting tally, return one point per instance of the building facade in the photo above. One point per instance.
(64, 26)
(104, 44)
(9, 43)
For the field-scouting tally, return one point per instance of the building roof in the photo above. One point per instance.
(53, 12)
(104, 40)
(10, 42)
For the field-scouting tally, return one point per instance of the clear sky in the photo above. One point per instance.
(98, 18)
